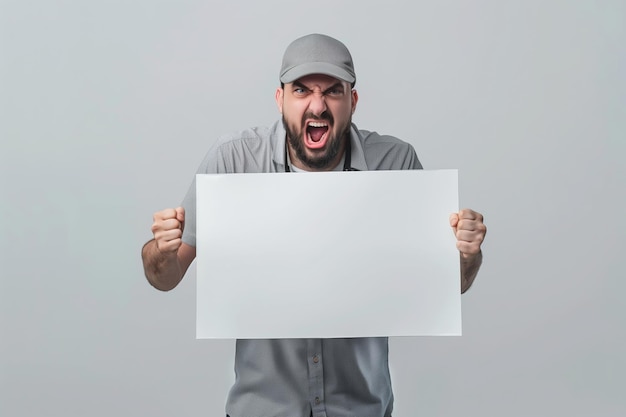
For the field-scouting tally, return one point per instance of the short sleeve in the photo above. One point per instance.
(211, 164)
(411, 161)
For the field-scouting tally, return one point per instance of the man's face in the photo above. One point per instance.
(317, 112)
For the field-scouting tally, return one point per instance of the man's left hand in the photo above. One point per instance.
(469, 230)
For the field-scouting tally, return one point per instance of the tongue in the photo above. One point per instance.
(316, 133)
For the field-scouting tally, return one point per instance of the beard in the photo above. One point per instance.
(333, 147)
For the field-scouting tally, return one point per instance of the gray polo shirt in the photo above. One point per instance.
(303, 377)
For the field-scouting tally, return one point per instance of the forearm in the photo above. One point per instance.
(163, 271)
(469, 269)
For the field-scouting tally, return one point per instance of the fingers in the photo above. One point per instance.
(469, 214)
(167, 228)
(180, 214)
(469, 230)
(466, 219)
(454, 219)
(168, 241)
(468, 249)
(177, 214)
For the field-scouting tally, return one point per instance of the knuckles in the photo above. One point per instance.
(167, 230)
(470, 214)
(472, 225)
(470, 231)
(164, 215)
(169, 224)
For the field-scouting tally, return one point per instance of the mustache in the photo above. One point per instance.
(324, 117)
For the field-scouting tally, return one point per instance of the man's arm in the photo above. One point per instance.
(469, 270)
(470, 232)
(166, 258)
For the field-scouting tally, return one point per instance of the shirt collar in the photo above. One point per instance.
(357, 154)
(277, 139)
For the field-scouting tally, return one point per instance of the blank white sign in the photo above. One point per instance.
(327, 254)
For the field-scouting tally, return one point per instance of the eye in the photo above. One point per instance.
(299, 91)
(335, 92)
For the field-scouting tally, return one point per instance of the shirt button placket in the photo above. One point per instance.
(316, 377)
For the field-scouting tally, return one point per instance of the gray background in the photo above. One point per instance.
(108, 107)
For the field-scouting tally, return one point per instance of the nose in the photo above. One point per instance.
(317, 104)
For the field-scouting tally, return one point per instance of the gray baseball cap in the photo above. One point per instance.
(317, 54)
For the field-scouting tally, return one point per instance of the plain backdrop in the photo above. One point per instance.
(107, 108)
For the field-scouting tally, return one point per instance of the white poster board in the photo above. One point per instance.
(327, 254)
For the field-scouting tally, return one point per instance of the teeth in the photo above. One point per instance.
(317, 124)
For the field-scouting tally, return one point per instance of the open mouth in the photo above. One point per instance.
(316, 134)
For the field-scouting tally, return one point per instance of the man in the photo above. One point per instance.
(304, 377)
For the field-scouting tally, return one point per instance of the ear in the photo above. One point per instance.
(355, 99)
(279, 99)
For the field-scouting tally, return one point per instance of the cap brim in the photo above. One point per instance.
(302, 70)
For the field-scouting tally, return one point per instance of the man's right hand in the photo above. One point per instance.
(167, 228)
(166, 258)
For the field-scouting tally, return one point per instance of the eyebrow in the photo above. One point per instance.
(336, 85)
(300, 85)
